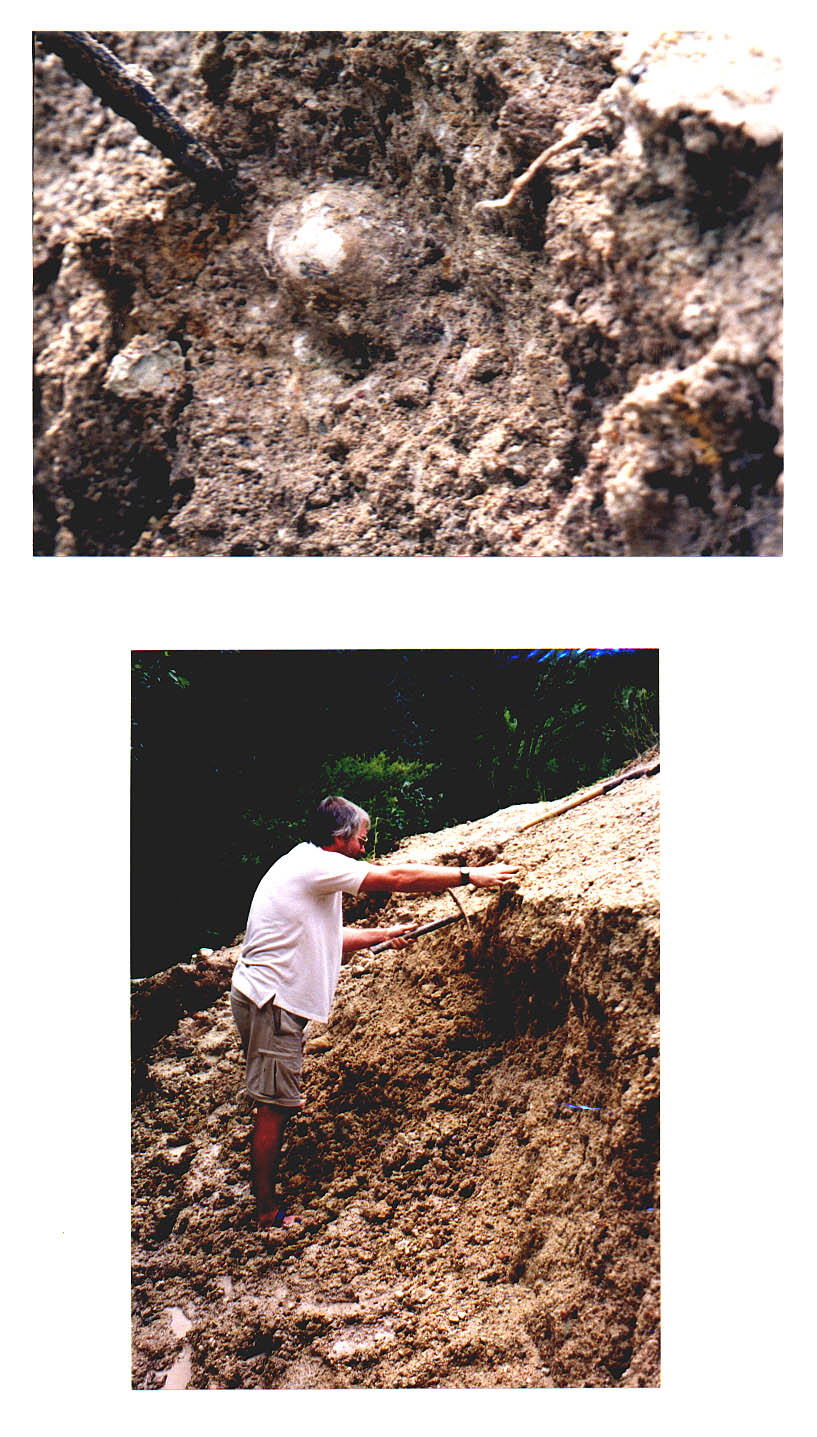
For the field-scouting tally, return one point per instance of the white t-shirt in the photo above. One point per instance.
(292, 947)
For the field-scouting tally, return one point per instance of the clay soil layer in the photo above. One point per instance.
(476, 1167)
(360, 360)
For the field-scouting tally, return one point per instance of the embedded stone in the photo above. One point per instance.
(338, 244)
(146, 367)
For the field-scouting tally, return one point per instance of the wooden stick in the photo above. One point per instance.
(452, 893)
(596, 792)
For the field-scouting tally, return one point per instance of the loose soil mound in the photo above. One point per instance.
(477, 1162)
(595, 369)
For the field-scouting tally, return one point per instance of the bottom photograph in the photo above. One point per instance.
(395, 1018)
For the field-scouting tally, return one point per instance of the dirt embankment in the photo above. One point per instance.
(362, 361)
(477, 1162)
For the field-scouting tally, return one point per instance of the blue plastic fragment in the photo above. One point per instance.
(582, 1107)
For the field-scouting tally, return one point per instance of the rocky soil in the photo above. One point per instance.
(363, 362)
(477, 1162)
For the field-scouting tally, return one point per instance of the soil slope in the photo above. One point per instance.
(363, 362)
(477, 1162)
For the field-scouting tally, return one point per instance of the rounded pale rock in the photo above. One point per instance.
(338, 244)
(146, 367)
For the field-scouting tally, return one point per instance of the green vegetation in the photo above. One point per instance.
(232, 749)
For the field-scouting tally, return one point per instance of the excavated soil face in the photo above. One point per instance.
(595, 369)
(477, 1162)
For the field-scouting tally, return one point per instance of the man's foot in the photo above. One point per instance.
(278, 1218)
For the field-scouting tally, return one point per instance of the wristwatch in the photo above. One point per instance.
(465, 876)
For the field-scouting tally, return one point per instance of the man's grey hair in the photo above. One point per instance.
(337, 818)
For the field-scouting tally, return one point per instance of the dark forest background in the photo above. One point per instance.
(231, 750)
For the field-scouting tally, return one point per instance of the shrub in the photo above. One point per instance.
(397, 793)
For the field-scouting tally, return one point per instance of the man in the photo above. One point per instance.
(290, 962)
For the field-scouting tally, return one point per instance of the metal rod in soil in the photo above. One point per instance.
(113, 83)
(425, 928)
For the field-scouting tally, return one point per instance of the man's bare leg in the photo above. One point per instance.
(267, 1141)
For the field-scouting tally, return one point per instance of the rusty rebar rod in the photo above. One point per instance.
(114, 84)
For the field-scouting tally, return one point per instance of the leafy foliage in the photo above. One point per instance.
(394, 791)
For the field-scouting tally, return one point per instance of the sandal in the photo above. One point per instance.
(280, 1218)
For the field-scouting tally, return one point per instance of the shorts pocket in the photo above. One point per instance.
(277, 1068)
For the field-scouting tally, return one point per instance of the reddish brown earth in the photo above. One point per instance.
(477, 1162)
(595, 370)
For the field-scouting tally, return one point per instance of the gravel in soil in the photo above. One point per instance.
(476, 1167)
(363, 362)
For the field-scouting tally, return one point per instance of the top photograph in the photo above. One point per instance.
(381, 294)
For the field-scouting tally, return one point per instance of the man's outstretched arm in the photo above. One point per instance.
(430, 878)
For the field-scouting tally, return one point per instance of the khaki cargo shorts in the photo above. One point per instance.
(272, 1040)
